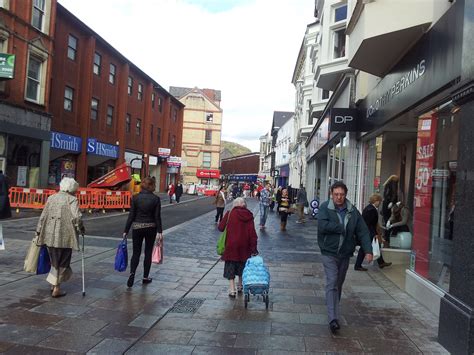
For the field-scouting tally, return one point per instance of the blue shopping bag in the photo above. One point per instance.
(44, 263)
(121, 258)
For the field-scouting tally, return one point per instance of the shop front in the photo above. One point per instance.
(208, 176)
(172, 171)
(63, 157)
(101, 158)
(284, 174)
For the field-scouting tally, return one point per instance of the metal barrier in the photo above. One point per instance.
(88, 198)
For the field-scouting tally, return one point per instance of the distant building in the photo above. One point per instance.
(201, 134)
(241, 168)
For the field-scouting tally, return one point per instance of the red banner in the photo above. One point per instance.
(208, 173)
(425, 160)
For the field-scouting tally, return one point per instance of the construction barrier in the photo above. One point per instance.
(89, 199)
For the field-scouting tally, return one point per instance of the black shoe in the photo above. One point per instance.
(360, 268)
(384, 265)
(147, 280)
(131, 279)
(334, 326)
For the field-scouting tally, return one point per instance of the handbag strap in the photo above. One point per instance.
(226, 223)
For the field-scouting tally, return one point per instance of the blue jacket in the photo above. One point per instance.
(337, 237)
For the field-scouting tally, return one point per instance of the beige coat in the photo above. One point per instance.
(60, 222)
(220, 199)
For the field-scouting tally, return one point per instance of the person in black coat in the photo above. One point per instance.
(145, 220)
(178, 191)
(5, 211)
(371, 218)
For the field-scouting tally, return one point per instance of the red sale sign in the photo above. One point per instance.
(425, 160)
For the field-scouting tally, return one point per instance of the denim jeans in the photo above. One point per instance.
(263, 214)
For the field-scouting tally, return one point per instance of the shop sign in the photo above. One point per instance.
(102, 149)
(137, 163)
(208, 173)
(153, 160)
(344, 120)
(164, 152)
(66, 142)
(7, 65)
(243, 177)
(174, 161)
(21, 176)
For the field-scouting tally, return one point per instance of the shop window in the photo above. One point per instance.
(206, 159)
(158, 135)
(97, 63)
(130, 85)
(140, 91)
(33, 84)
(339, 43)
(110, 115)
(160, 104)
(94, 109)
(68, 98)
(38, 14)
(112, 72)
(71, 47)
(138, 130)
(208, 138)
(128, 123)
(152, 100)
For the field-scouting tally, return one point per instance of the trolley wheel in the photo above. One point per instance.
(266, 300)
(246, 299)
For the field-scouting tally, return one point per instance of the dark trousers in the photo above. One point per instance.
(361, 256)
(219, 213)
(177, 198)
(149, 234)
(283, 216)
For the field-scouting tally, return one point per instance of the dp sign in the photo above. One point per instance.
(344, 120)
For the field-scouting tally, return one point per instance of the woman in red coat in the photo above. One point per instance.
(241, 242)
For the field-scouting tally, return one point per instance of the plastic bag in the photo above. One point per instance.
(221, 242)
(44, 263)
(121, 257)
(375, 249)
(31, 259)
(157, 256)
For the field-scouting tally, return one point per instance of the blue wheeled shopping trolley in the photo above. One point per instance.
(256, 280)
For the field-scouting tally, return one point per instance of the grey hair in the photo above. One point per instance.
(68, 184)
(239, 202)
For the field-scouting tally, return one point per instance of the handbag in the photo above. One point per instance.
(157, 255)
(44, 262)
(121, 257)
(222, 239)
(375, 249)
(32, 255)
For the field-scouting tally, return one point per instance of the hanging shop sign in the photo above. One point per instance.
(66, 142)
(164, 152)
(7, 66)
(344, 120)
(174, 161)
(102, 149)
(152, 160)
(208, 173)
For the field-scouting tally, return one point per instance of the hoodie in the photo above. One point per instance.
(241, 239)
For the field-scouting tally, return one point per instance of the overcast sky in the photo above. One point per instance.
(245, 48)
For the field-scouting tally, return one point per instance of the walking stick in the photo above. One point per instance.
(83, 279)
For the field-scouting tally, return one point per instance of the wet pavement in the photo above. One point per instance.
(186, 309)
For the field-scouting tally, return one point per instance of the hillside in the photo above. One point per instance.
(234, 149)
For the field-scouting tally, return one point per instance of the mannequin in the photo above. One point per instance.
(390, 196)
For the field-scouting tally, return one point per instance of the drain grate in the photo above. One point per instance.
(187, 305)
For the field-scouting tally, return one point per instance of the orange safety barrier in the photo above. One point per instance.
(28, 198)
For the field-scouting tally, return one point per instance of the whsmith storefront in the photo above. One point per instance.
(418, 124)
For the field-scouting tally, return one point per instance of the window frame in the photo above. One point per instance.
(128, 123)
(112, 73)
(130, 85)
(204, 162)
(209, 117)
(97, 66)
(160, 104)
(69, 100)
(70, 48)
(337, 7)
(153, 100)
(208, 137)
(37, 81)
(109, 121)
(140, 92)
(94, 111)
(158, 135)
(173, 141)
(174, 114)
(334, 36)
(41, 12)
(138, 127)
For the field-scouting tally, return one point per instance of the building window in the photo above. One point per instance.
(340, 13)
(128, 123)
(71, 47)
(160, 104)
(94, 109)
(68, 98)
(173, 141)
(209, 117)
(174, 116)
(34, 79)
(325, 95)
(151, 132)
(310, 115)
(130, 85)
(38, 14)
(138, 130)
(110, 115)
(206, 159)
(339, 43)
(153, 100)
(158, 135)
(112, 71)
(208, 138)
(140, 92)
(97, 61)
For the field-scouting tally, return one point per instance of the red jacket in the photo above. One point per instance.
(241, 240)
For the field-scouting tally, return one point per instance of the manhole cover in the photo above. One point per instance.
(187, 305)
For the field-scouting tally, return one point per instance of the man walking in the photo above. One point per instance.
(340, 228)
(264, 204)
(301, 203)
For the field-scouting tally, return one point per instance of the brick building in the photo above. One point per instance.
(241, 168)
(26, 31)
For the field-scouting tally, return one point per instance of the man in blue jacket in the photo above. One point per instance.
(340, 229)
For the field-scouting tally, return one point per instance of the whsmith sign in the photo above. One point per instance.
(102, 149)
(432, 63)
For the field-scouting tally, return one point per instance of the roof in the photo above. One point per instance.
(179, 92)
(280, 118)
(242, 156)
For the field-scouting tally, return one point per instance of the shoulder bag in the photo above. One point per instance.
(222, 239)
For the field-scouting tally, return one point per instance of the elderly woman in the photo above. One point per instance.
(58, 227)
(241, 242)
(144, 219)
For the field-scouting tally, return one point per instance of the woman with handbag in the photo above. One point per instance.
(240, 244)
(144, 219)
(220, 204)
(58, 228)
(284, 208)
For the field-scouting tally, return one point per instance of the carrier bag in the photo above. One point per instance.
(121, 257)
(32, 255)
(44, 262)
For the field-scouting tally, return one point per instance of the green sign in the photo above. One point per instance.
(7, 65)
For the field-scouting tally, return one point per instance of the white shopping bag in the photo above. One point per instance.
(375, 248)
(2, 241)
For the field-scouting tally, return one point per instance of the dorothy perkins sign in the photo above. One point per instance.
(7, 65)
